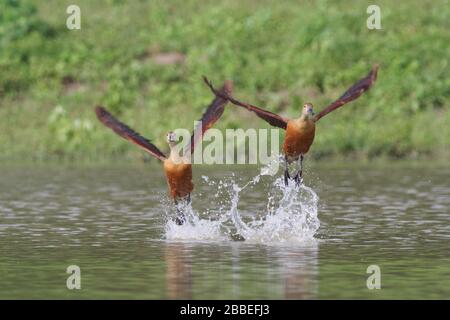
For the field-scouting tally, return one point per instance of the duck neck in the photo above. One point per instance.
(174, 153)
(305, 117)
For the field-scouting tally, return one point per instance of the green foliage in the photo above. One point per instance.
(144, 61)
(17, 19)
(68, 133)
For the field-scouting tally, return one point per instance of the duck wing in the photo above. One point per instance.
(127, 133)
(271, 118)
(211, 115)
(352, 93)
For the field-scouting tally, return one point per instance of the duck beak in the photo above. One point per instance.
(171, 137)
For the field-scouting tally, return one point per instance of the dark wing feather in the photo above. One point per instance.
(352, 93)
(211, 115)
(272, 118)
(127, 133)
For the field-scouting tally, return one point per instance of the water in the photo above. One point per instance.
(291, 214)
(248, 237)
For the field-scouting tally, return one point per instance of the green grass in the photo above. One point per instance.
(278, 53)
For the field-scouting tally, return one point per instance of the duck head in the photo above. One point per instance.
(171, 138)
(308, 110)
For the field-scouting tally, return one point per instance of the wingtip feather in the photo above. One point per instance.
(100, 112)
(374, 71)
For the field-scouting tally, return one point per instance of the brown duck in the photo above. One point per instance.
(300, 131)
(178, 169)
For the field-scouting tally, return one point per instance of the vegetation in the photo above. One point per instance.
(144, 60)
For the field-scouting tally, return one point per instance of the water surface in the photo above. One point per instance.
(111, 221)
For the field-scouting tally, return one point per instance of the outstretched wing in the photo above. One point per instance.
(272, 118)
(127, 133)
(352, 93)
(211, 115)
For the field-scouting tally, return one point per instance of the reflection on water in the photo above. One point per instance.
(111, 222)
(299, 271)
(178, 271)
(292, 273)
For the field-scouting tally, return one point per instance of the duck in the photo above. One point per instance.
(300, 131)
(177, 168)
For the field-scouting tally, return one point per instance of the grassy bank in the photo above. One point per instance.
(144, 61)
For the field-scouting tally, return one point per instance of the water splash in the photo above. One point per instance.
(291, 215)
(194, 227)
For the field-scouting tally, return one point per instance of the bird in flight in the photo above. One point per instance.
(178, 169)
(300, 131)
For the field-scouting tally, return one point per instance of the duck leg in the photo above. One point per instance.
(180, 218)
(299, 174)
(286, 172)
(188, 199)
